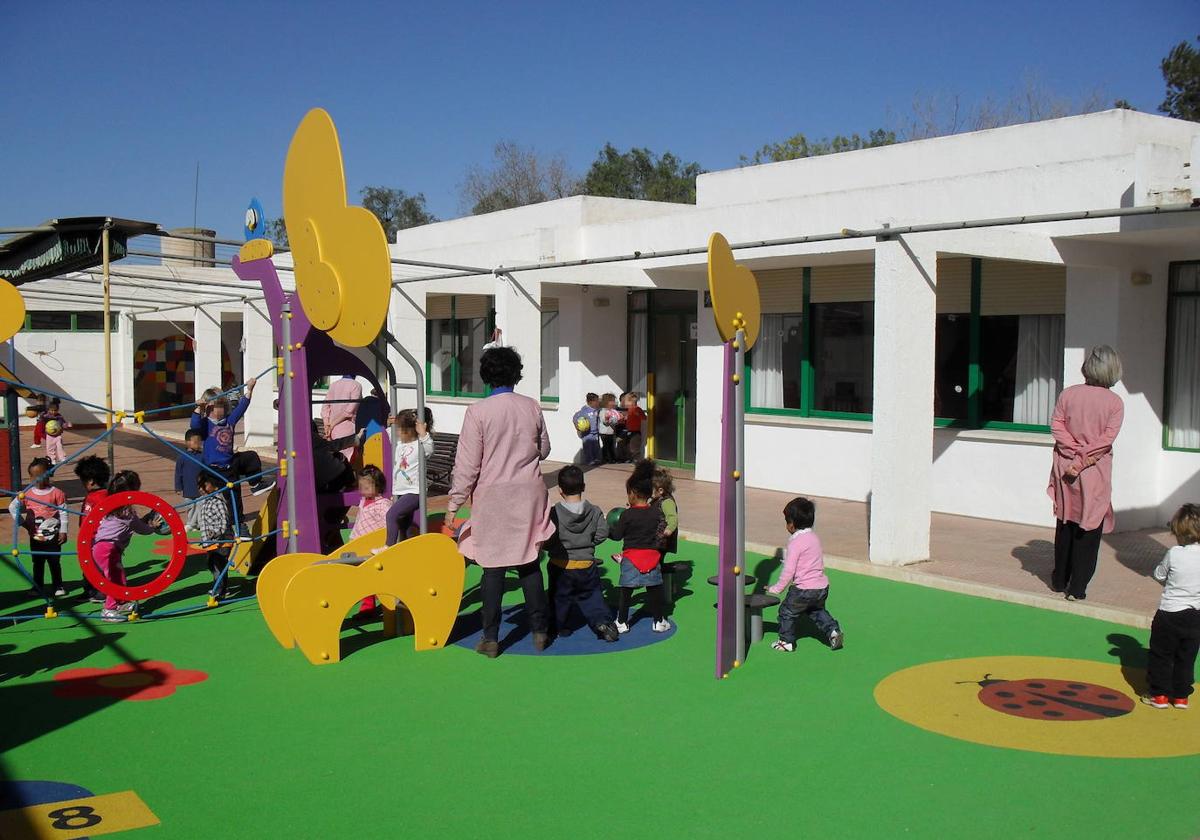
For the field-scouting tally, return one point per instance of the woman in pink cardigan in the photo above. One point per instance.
(1086, 421)
(501, 445)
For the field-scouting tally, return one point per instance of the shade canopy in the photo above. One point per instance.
(62, 245)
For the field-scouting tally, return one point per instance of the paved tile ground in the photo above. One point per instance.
(997, 559)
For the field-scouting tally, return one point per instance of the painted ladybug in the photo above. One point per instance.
(1046, 699)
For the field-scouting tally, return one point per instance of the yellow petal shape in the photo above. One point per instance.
(734, 291)
(343, 268)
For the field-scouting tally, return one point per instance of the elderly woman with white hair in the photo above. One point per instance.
(1086, 421)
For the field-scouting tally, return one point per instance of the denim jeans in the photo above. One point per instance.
(579, 587)
(810, 602)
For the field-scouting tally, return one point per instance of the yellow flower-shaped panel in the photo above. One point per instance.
(734, 292)
(343, 269)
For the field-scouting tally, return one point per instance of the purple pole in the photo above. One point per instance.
(727, 582)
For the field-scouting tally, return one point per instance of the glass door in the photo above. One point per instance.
(673, 363)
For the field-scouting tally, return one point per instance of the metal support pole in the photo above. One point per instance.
(289, 434)
(739, 489)
(105, 244)
(422, 480)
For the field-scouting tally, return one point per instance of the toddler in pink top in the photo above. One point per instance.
(372, 512)
(803, 577)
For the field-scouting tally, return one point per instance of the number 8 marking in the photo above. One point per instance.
(66, 819)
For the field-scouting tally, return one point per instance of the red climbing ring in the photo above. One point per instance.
(87, 532)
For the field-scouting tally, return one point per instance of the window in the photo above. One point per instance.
(458, 328)
(814, 354)
(999, 343)
(60, 321)
(550, 349)
(1182, 428)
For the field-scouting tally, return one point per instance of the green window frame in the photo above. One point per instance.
(73, 321)
(975, 377)
(807, 372)
(457, 335)
(1173, 297)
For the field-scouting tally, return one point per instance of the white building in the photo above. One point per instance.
(915, 372)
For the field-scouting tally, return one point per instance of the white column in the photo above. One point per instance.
(902, 424)
(519, 315)
(123, 362)
(258, 426)
(406, 320)
(206, 331)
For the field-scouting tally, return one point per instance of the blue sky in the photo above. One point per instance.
(107, 108)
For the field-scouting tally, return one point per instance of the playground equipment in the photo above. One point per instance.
(419, 583)
(736, 308)
(343, 285)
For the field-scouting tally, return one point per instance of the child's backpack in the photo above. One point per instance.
(582, 422)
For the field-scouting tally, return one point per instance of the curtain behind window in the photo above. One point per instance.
(766, 364)
(1039, 371)
(638, 347)
(1183, 420)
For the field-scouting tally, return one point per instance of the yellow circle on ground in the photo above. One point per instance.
(734, 292)
(943, 697)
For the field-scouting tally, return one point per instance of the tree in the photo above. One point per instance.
(1181, 72)
(1030, 101)
(518, 176)
(640, 174)
(798, 146)
(277, 232)
(396, 209)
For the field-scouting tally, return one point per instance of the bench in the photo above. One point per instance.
(439, 467)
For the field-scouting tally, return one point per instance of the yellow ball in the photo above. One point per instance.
(53, 428)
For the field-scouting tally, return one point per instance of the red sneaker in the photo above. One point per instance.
(1158, 701)
(1179, 702)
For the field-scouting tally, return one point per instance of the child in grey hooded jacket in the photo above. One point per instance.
(579, 526)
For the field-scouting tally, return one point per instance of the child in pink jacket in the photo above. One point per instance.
(803, 577)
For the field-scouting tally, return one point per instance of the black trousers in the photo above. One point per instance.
(492, 588)
(608, 449)
(47, 553)
(218, 559)
(655, 602)
(1174, 642)
(243, 464)
(1075, 553)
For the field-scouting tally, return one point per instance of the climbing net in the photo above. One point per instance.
(226, 487)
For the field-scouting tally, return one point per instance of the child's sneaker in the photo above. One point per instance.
(263, 485)
(621, 626)
(1158, 701)
(836, 640)
(127, 607)
(786, 647)
(112, 615)
(60, 592)
(1180, 702)
(661, 626)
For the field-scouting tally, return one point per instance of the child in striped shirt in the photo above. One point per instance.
(43, 514)
(372, 512)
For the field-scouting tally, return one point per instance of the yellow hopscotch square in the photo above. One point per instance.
(74, 818)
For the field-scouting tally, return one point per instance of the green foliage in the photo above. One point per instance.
(396, 209)
(798, 146)
(518, 176)
(1181, 72)
(639, 173)
(277, 232)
